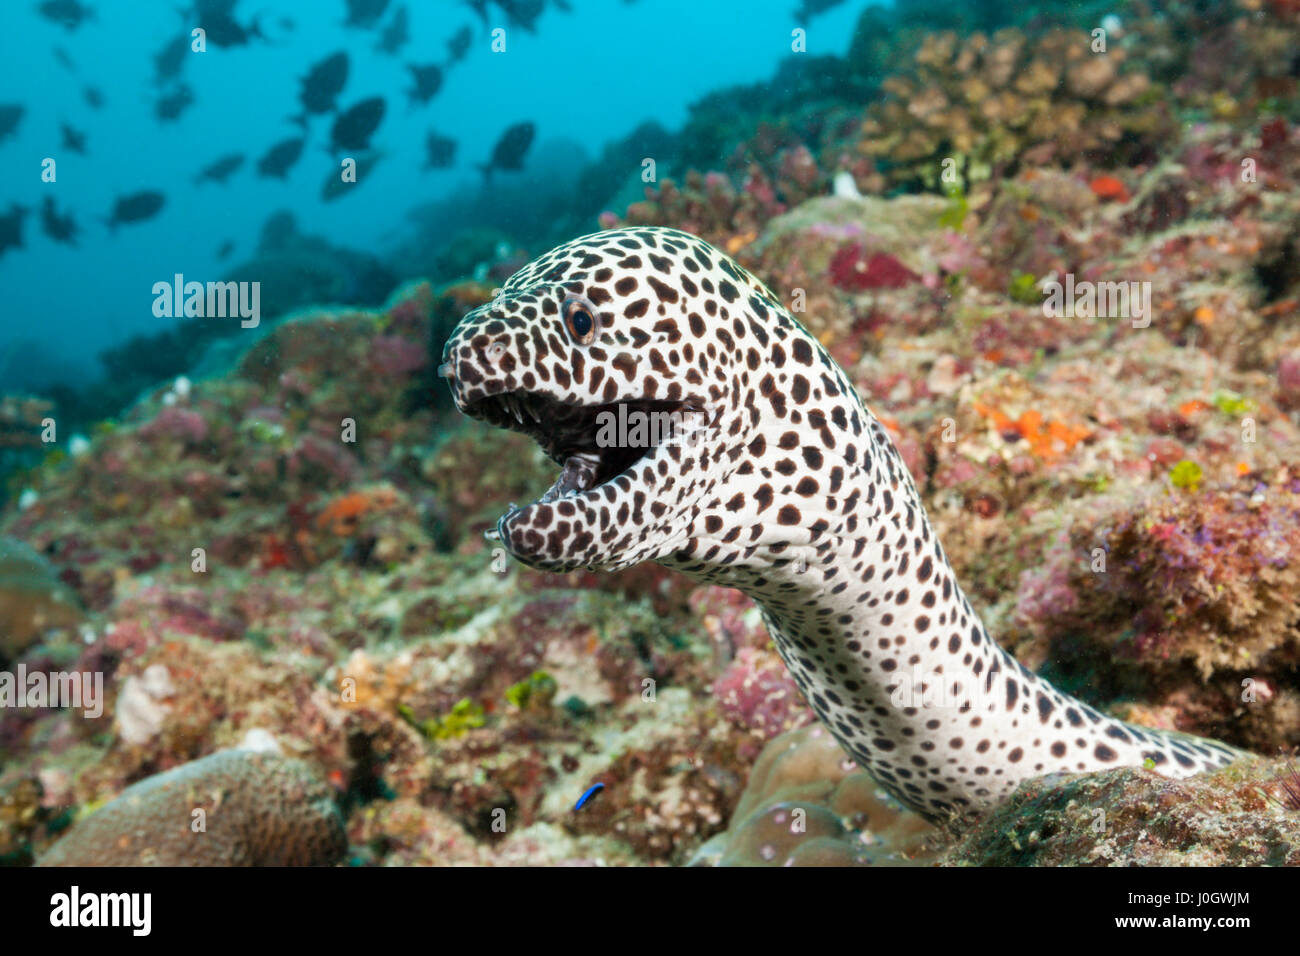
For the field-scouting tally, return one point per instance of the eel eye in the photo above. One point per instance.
(579, 319)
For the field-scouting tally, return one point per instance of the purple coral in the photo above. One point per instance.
(1045, 593)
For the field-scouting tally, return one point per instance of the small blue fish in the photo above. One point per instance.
(587, 796)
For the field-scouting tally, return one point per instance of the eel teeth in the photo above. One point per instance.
(519, 407)
(508, 406)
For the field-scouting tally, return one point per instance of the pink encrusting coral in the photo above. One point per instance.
(177, 424)
(757, 693)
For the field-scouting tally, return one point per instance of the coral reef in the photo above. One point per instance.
(290, 539)
(982, 102)
(1184, 594)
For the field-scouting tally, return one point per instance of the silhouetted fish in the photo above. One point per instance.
(396, 34)
(364, 14)
(523, 13)
(59, 228)
(171, 106)
(508, 154)
(65, 61)
(354, 126)
(811, 8)
(279, 231)
(480, 7)
(428, 81)
(136, 207)
(440, 151)
(168, 61)
(458, 45)
(225, 249)
(322, 85)
(335, 186)
(10, 115)
(224, 31)
(94, 99)
(212, 8)
(280, 158)
(73, 140)
(68, 13)
(11, 227)
(222, 169)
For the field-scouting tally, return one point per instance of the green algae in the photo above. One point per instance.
(1230, 403)
(1186, 475)
(464, 716)
(1023, 288)
(535, 692)
(956, 209)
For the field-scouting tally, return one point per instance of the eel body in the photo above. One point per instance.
(773, 478)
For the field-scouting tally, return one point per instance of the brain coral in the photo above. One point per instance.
(808, 804)
(259, 809)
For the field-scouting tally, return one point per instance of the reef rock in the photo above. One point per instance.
(1134, 817)
(32, 598)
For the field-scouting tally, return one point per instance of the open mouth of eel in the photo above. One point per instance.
(577, 437)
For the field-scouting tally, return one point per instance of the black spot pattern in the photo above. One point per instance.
(795, 495)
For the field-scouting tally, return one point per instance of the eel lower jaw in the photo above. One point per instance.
(578, 475)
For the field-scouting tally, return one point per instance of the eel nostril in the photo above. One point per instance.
(446, 371)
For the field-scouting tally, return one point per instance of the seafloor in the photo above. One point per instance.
(1120, 495)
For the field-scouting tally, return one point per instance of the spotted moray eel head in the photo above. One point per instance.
(789, 489)
(653, 325)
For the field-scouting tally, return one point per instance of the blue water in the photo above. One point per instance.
(587, 77)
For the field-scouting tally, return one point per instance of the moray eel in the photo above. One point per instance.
(776, 480)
